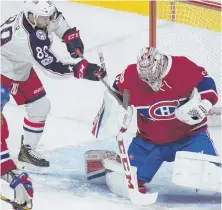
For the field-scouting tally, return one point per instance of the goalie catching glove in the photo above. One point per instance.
(195, 110)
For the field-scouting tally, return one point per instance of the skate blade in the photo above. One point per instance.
(28, 167)
(53, 169)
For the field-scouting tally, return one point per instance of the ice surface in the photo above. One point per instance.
(74, 106)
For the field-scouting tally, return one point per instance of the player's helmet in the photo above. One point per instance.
(4, 96)
(43, 12)
(151, 65)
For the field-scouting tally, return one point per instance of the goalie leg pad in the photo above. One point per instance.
(117, 184)
(94, 167)
(197, 170)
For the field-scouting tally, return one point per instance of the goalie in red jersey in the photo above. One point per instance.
(172, 97)
(19, 182)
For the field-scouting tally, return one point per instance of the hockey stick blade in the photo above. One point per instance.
(137, 197)
(105, 79)
(14, 204)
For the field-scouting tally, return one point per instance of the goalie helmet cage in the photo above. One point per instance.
(192, 29)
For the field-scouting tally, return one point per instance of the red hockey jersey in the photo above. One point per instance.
(7, 163)
(156, 121)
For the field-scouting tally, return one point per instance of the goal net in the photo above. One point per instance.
(192, 29)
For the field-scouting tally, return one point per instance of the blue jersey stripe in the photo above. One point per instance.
(207, 84)
(4, 156)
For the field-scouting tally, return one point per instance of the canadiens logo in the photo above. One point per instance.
(163, 110)
(41, 35)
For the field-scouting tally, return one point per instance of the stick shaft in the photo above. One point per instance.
(14, 204)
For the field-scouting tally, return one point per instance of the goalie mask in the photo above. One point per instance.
(43, 12)
(151, 66)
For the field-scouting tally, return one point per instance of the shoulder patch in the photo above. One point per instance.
(204, 73)
(41, 35)
(121, 79)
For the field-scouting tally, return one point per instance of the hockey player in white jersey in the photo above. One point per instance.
(25, 39)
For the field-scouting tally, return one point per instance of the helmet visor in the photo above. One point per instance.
(44, 21)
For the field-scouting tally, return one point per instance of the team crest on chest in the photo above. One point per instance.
(41, 35)
(163, 110)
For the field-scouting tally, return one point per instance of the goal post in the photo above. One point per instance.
(152, 23)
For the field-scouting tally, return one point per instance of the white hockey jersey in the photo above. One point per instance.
(22, 45)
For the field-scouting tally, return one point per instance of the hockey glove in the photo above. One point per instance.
(86, 70)
(73, 41)
(23, 189)
(195, 110)
(110, 111)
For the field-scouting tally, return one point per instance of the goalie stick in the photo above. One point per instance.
(14, 204)
(105, 82)
(135, 195)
